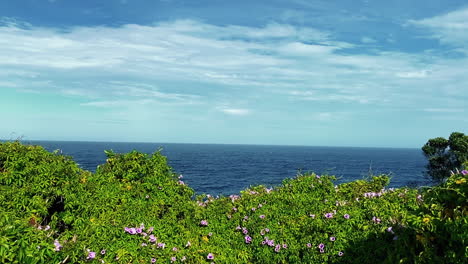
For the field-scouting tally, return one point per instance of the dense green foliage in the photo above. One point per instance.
(134, 209)
(445, 155)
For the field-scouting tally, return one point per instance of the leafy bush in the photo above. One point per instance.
(134, 209)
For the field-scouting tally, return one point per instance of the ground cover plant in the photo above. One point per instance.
(135, 209)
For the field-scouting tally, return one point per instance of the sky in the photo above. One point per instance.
(297, 72)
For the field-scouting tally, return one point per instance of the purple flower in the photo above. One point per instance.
(245, 231)
(174, 249)
(278, 248)
(267, 230)
(322, 250)
(103, 252)
(57, 245)
(340, 253)
(153, 260)
(332, 238)
(309, 245)
(346, 216)
(131, 231)
(152, 238)
(144, 244)
(270, 243)
(262, 216)
(210, 256)
(91, 255)
(248, 239)
(329, 215)
(173, 259)
(203, 223)
(285, 246)
(161, 245)
(150, 229)
(139, 230)
(464, 172)
(389, 229)
(321, 246)
(253, 208)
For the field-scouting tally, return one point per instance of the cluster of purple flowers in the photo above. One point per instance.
(234, 197)
(47, 227)
(372, 194)
(321, 247)
(268, 242)
(264, 231)
(376, 220)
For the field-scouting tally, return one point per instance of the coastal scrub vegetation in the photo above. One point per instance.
(135, 209)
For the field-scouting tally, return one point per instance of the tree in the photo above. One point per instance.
(445, 155)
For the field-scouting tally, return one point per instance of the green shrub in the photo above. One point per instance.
(135, 209)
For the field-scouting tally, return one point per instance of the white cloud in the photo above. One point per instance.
(449, 28)
(190, 62)
(414, 74)
(443, 110)
(235, 111)
(368, 40)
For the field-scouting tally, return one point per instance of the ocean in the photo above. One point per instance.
(218, 169)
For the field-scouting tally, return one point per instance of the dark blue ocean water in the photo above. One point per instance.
(228, 169)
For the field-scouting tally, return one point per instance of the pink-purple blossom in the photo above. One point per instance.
(248, 239)
(210, 256)
(464, 172)
(57, 245)
(203, 223)
(277, 248)
(346, 216)
(91, 255)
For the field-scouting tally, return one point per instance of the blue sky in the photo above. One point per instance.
(296, 72)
